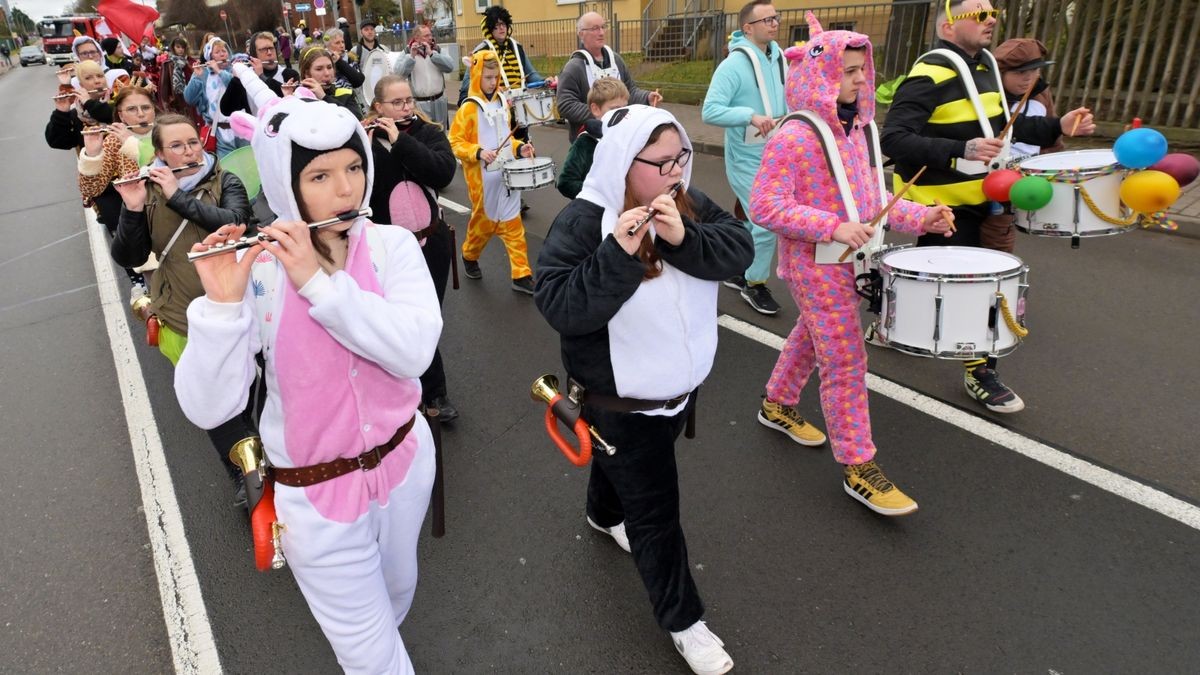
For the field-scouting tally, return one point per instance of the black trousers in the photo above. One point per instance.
(224, 436)
(640, 486)
(438, 250)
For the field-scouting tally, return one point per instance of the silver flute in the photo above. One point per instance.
(104, 128)
(653, 212)
(185, 167)
(246, 242)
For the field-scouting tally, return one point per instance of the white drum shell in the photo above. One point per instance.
(950, 314)
(533, 107)
(1067, 215)
(529, 173)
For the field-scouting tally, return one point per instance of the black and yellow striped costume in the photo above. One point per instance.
(510, 62)
(929, 123)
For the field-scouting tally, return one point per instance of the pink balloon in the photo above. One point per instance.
(1181, 166)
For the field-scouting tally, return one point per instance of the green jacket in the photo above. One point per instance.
(576, 166)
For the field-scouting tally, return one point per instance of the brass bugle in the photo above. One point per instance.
(185, 167)
(653, 212)
(246, 242)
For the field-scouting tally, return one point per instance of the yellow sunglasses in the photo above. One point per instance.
(979, 15)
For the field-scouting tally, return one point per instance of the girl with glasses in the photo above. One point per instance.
(167, 213)
(113, 153)
(634, 297)
(413, 161)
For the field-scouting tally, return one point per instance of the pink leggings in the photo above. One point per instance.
(828, 336)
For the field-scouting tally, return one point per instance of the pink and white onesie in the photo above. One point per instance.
(343, 355)
(795, 196)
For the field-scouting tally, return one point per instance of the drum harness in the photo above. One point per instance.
(869, 283)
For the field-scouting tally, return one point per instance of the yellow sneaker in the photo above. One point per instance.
(785, 418)
(866, 483)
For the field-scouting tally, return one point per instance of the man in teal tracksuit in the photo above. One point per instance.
(748, 111)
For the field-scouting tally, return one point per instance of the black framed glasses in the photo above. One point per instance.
(772, 20)
(666, 166)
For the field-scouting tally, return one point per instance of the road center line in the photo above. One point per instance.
(188, 629)
(1109, 481)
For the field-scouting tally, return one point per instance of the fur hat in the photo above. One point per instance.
(494, 15)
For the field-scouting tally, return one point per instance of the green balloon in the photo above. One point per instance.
(1031, 193)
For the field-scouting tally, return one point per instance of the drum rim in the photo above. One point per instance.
(531, 167)
(1056, 232)
(1043, 171)
(960, 277)
(951, 356)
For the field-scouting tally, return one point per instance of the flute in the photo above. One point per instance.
(246, 242)
(71, 94)
(104, 128)
(653, 211)
(185, 167)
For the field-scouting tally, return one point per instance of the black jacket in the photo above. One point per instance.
(349, 73)
(64, 130)
(131, 243)
(421, 154)
(235, 97)
(582, 282)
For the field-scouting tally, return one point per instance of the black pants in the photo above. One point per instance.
(640, 486)
(968, 223)
(438, 249)
(224, 436)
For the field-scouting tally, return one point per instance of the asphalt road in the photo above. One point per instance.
(1009, 566)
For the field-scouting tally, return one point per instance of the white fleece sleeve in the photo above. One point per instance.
(213, 377)
(90, 166)
(398, 331)
(256, 90)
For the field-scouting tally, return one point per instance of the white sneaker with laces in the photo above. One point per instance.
(617, 532)
(703, 651)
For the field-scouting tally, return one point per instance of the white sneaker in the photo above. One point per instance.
(703, 651)
(617, 532)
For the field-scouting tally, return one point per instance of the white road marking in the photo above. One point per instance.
(43, 247)
(1109, 481)
(33, 301)
(454, 206)
(188, 630)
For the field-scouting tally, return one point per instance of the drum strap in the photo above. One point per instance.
(968, 81)
(758, 78)
(595, 72)
(829, 253)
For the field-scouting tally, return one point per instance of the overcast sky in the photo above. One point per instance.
(36, 9)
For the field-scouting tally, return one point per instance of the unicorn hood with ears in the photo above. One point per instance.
(815, 73)
(283, 124)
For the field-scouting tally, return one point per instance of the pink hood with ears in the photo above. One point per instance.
(815, 72)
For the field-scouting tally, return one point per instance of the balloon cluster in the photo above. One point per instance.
(1155, 185)
(1152, 188)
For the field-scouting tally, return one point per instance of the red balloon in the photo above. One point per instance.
(1179, 165)
(997, 185)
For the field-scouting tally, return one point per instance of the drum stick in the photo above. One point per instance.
(895, 198)
(950, 220)
(1078, 119)
(1013, 118)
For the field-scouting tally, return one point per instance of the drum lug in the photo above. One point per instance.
(1075, 216)
(994, 319)
(1022, 291)
(937, 318)
(890, 320)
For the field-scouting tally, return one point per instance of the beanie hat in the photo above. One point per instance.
(110, 45)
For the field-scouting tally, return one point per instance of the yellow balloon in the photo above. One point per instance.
(1149, 191)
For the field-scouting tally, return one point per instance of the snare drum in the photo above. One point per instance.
(533, 107)
(529, 173)
(949, 302)
(1087, 195)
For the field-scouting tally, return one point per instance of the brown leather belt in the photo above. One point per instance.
(427, 99)
(303, 476)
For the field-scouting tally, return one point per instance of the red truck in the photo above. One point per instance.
(58, 32)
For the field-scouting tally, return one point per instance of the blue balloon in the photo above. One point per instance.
(1139, 148)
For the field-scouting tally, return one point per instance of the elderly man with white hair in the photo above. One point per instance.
(595, 60)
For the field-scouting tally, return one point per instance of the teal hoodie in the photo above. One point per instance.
(733, 97)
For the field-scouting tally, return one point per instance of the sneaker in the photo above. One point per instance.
(617, 532)
(446, 410)
(785, 418)
(523, 285)
(736, 283)
(759, 297)
(871, 335)
(471, 269)
(984, 385)
(866, 483)
(703, 651)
